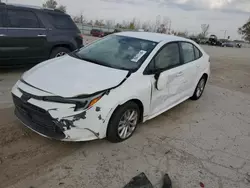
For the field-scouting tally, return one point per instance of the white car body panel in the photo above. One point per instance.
(69, 74)
(68, 77)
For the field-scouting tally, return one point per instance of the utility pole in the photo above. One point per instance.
(225, 33)
(169, 29)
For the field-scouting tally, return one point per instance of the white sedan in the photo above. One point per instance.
(110, 86)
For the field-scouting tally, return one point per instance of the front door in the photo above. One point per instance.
(168, 62)
(26, 36)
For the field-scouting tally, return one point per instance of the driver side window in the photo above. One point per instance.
(168, 57)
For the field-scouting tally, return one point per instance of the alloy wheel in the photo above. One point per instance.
(200, 87)
(127, 123)
(60, 54)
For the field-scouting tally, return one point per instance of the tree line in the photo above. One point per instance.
(160, 25)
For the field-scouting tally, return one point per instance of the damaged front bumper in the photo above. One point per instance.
(56, 120)
(37, 119)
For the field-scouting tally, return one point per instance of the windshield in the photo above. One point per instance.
(118, 52)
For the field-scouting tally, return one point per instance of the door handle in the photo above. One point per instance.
(2, 35)
(179, 74)
(42, 35)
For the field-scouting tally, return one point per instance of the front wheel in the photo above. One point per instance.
(59, 51)
(123, 122)
(199, 88)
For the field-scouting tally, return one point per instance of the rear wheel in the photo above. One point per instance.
(58, 52)
(123, 122)
(199, 88)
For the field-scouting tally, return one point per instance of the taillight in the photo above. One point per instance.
(80, 35)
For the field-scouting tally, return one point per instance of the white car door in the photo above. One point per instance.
(191, 67)
(167, 62)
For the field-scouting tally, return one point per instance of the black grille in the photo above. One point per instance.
(37, 119)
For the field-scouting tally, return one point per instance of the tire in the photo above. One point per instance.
(59, 50)
(113, 132)
(198, 91)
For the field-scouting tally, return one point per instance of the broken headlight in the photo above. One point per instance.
(86, 103)
(81, 102)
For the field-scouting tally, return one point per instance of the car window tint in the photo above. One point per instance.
(62, 21)
(22, 19)
(1, 17)
(168, 57)
(188, 52)
(197, 53)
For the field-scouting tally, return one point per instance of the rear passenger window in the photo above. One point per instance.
(62, 21)
(22, 19)
(197, 53)
(188, 52)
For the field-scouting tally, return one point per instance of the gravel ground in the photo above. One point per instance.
(204, 141)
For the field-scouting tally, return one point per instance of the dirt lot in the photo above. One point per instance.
(205, 141)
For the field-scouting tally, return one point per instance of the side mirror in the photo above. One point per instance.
(161, 81)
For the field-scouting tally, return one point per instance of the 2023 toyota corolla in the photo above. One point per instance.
(108, 87)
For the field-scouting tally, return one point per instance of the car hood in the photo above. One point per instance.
(68, 77)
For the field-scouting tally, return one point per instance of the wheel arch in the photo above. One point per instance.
(68, 46)
(136, 101)
(205, 75)
(141, 108)
(114, 110)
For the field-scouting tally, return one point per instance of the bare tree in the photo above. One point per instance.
(165, 21)
(53, 5)
(204, 30)
(181, 33)
(62, 8)
(157, 22)
(99, 23)
(50, 4)
(110, 23)
(146, 26)
(137, 23)
(79, 19)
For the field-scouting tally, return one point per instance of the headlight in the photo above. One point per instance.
(85, 103)
(81, 102)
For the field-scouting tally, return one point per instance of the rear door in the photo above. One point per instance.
(27, 37)
(64, 30)
(3, 34)
(191, 60)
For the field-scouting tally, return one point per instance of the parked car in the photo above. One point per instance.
(97, 33)
(228, 44)
(213, 40)
(110, 86)
(109, 33)
(195, 39)
(238, 45)
(32, 34)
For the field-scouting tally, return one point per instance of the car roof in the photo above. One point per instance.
(156, 37)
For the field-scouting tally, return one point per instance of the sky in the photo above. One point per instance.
(223, 16)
